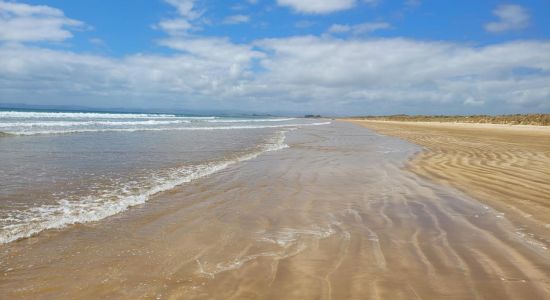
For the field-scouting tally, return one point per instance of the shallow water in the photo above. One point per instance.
(333, 216)
(63, 168)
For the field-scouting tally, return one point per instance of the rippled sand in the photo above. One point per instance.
(507, 167)
(335, 216)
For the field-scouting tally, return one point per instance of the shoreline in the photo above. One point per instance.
(500, 165)
(333, 216)
(101, 211)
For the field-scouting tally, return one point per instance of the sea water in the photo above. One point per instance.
(62, 168)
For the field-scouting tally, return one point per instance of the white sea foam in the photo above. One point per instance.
(184, 120)
(286, 237)
(79, 115)
(198, 118)
(89, 209)
(134, 129)
(249, 120)
(291, 241)
(92, 123)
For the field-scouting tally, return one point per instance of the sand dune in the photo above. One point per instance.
(334, 216)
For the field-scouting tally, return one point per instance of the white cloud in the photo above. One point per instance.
(32, 23)
(298, 74)
(367, 74)
(186, 8)
(175, 26)
(236, 19)
(339, 28)
(359, 28)
(395, 61)
(317, 6)
(187, 16)
(511, 17)
(218, 49)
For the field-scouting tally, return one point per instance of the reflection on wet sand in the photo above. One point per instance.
(506, 167)
(332, 217)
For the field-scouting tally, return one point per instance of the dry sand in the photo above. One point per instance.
(335, 216)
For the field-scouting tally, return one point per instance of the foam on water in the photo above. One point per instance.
(46, 123)
(286, 237)
(250, 120)
(28, 222)
(289, 242)
(134, 129)
(92, 123)
(79, 115)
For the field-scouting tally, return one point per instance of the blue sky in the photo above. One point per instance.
(282, 56)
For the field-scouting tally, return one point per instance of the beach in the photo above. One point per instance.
(504, 166)
(284, 150)
(334, 214)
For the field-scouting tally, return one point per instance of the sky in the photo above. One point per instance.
(330, 57)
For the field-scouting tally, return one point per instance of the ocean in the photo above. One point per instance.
(62, 168)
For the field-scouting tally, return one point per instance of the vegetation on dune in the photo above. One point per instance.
(517, 119)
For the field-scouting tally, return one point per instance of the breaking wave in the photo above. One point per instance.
(22, 224)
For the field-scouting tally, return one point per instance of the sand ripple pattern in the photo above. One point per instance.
(508, 169)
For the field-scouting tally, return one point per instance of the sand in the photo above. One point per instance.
(505, 166)
(334, 216)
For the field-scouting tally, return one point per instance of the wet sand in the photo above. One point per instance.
(334, 216)
(504, 166)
